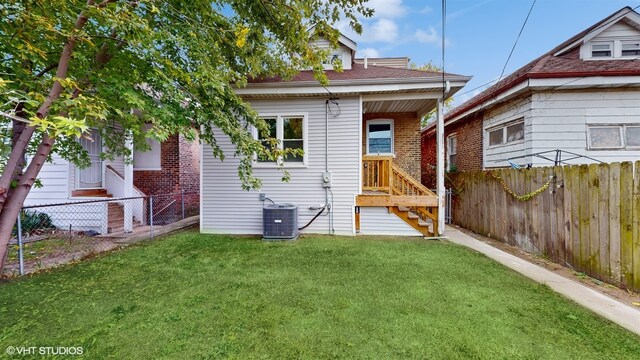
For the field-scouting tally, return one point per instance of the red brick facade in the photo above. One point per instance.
(406, 139)
(469, 148)
(180, 163)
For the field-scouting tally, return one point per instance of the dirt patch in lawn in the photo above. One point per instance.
(625, 296)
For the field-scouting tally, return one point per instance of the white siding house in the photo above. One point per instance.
(579, 103)
(361, 197)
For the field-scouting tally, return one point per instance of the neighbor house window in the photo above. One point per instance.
(507, 134)
(602, 49)
(149, 159)
(631, 48)
(452, 152)
(380, 137)
(602, 137)
(632, 136)
(289, 132)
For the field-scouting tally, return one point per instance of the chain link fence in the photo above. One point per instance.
(53, 234)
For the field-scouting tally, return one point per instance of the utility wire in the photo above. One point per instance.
(513, 48)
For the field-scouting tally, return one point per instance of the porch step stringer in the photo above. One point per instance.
(412, 220)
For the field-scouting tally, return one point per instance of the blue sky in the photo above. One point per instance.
(479, 33)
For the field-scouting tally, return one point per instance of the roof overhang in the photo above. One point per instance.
(542, 82)
(419, 95)
(351, 87)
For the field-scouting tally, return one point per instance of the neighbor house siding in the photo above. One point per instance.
(511, 111)
(227, 208)
(561, 120)
(55, 180)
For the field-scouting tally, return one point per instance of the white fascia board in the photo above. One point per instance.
(342, 87)
(556, 84)
(589, 81)
(514, 90)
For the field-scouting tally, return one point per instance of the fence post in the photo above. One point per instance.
(151, 215)
(182, 201)
(20, 249)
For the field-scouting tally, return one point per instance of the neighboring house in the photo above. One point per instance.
(582, 97)
(362, 132)
(168, 167)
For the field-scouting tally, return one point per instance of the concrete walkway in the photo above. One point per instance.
(613, 310)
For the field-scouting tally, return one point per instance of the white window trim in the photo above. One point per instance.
(623, 136)
(504, 127)
(449, 153)
(616, 50)
(611, 48)
(379, 122)
(622, 43)
(280, 135)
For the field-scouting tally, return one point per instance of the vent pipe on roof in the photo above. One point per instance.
(365, 62)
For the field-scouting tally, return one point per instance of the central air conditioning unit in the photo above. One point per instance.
(280, 222)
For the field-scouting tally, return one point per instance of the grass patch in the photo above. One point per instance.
(203, 296)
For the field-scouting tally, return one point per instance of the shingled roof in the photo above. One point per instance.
(560, 62)
(358, 72)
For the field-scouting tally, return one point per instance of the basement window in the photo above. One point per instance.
(602, 49)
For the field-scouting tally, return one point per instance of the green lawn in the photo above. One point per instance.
(203, 296)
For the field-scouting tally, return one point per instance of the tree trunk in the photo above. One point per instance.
(10, 206)
(14, 204)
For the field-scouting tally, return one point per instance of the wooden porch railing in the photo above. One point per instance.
(376, 173)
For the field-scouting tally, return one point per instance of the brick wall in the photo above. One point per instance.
(469, 154)
(406, 139)
(180, 163)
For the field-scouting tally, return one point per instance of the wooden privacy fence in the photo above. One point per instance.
(586, 217)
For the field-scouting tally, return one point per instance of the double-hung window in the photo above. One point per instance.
(452, 151)
(285, 132)
(602, 49)
(630, 48)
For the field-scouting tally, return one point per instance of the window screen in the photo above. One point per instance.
(496, 137)
(609, 137)
(515, 132)
(633, 136)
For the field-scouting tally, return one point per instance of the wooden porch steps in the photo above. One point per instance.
(115, 219)
(91, 193)
(387, 185)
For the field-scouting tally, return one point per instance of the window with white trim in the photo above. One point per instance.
(452, 151)
(602, 49)
(290, 132)
(380, 137)
(613, 137)
(631, 48)
(506, 134)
